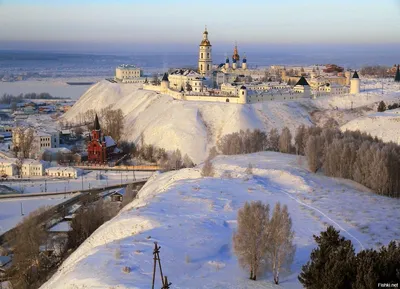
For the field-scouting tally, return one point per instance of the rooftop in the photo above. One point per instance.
(127, 66)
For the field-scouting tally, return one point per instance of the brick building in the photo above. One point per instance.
(100, 148)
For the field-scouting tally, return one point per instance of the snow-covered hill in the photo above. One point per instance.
(384, 125)
(193, 219)
(193, 127)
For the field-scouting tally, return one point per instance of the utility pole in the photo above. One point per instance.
(22, 210)
(45, 185)
(82, 181)
(164, 279)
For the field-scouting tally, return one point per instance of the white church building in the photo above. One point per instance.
(188, 84)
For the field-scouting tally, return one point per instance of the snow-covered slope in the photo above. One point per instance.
(193, 219)
(193, 127)
(384, 125)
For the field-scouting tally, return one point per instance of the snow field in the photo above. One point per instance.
(193, 219)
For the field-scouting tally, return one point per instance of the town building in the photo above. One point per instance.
(33, 168)
(63, 172)
(186, 80)
(8, 168)
(100, 148)
(127, 73)
(44, 140)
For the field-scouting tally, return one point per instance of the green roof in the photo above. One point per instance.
(165, 77)
(302, 81)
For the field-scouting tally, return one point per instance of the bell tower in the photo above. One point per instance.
(205, 57)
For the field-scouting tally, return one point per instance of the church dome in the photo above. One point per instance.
(235, 55)
(205, 42)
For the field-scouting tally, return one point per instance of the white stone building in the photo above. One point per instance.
(127, 73)
(180, 78)
(33, 168)
(8, 168)
(63, 172)
(44, 140)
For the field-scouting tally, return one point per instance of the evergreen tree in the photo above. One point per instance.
(381, 106)
(332, 263)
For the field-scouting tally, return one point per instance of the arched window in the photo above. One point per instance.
(227, 100)
(202, 55)
(208, 66)
(208, 55)
(201, 66)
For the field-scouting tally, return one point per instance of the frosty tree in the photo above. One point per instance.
(280, 248)
(249, 242)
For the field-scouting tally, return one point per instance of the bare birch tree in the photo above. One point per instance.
(23, 141)
(280, 248)
(285, 141)
(249, 242)
(273, 140)
(208, 169)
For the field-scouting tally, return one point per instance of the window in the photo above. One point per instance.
(208, 55)
(208, 66)
(202, 55)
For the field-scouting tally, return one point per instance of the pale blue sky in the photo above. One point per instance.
(177, 22)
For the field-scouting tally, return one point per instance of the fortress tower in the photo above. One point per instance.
(355, 84)
(205, 58)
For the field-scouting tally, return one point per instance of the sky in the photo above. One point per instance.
(172, 24)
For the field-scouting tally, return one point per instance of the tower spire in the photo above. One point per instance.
(96, 123)
(397, 77)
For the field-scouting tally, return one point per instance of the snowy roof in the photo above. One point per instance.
(120, 192)
(109, 141)
(127, 66)
(186, 72)
(61, 227)
(62, 169)
(56, 150)
(33, 162)
(42, 133)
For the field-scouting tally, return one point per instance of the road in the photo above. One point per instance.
(104, 188)
(61, 208)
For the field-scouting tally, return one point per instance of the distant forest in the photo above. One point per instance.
(351, 154)
(9, 98)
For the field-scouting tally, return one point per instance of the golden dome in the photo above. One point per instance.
(205, 42)
(235, 55)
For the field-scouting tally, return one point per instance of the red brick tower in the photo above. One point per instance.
(96, 147)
